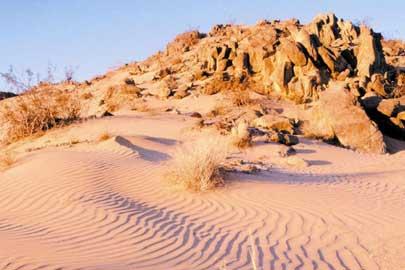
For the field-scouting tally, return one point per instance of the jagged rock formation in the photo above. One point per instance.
(299, 62)
(293, 60)
(337, 114)
(284, 59)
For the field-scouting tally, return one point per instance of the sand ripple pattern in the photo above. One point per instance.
(109, 210)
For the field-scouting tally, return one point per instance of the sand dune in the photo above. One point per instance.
(105, 206)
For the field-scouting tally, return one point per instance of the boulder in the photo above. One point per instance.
(370, 56)
(338, 116)
(376, 85)
(164, 92)
(293, 52)
(401, 116)
(388, 106)
(303, 37)
(286, 139)
(328, 58)
(274, 122)
(282, 74)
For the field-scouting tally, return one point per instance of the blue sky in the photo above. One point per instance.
(94, 36)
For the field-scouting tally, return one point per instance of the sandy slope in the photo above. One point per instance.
(104, 206)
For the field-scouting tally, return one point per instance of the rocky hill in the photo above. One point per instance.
(345, 82)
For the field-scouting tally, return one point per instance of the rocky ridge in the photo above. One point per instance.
(348, 81)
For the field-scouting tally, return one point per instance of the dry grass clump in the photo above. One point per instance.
(6, 160)
(35, 112)
(118, 95)
(104, 136)
(218, 110)
(240, 135)
(197, 166)
(86, 96)
(184, 41)
(240, 97)
(236, 90)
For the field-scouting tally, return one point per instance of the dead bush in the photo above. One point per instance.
(119, 95)
(197, 166)
(6, 160)
(236, 90)
(36, 112)
(103, 137)
(87, 95)
(184, 41)
(240, 135)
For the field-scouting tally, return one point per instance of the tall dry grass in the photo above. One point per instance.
(197, 166)
(35, 112)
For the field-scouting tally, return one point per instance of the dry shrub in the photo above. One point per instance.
(238, 91)
(184, 41)
(218, 110)
(121, 94)
(199, 74)
(6, 160)
(240, 135)
(87, 95)
(176, 61)
(35, 112)
(103, 137)
(197, 166)
(240, 97)
(171, 82)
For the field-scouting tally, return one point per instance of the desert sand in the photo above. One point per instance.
(105, 206)
(93, 194)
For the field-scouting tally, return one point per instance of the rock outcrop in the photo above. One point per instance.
(299, 62)
(338, 116)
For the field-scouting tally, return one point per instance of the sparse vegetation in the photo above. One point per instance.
(236, 90)
(197, 167)
(21, 82)
(36, 112)
(184, 41)
(103, 137)
(6, 160)
(121, 94)
(240, 96)
(240, 135)
(87, 95)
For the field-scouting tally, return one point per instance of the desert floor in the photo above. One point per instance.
(70, 202)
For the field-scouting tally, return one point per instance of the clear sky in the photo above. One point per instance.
(95, 35)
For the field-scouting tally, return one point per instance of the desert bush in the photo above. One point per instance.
(21, 82)
(236, 90)
(121, 94)
(35, 112)
(176, 61)
(6, 160)
(87, 95)
(240, 135)
(218, 110)
(103, 137)
(184, 41)
(171, 82)
(140, 106)
(197, 166)
(240, 96)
